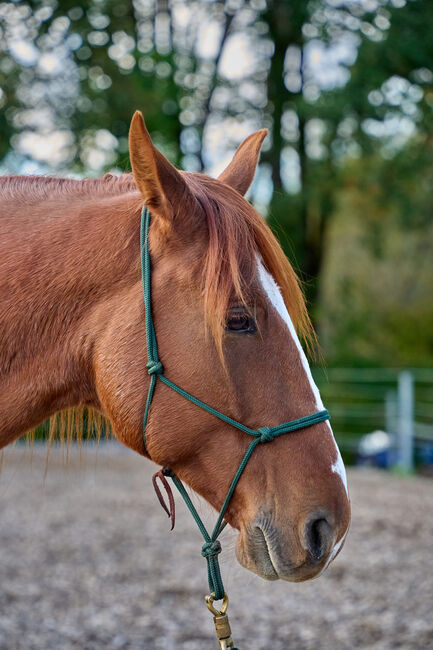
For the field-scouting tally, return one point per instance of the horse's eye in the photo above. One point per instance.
(240, 321)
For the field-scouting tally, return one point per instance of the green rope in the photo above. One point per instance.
(154, 366)
(211, 547)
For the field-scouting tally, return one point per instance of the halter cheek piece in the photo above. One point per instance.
(212, 547)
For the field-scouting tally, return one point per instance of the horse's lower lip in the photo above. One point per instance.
(266, 558)
(253, 553)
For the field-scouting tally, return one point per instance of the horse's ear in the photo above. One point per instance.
(240, 171)
(160, 183)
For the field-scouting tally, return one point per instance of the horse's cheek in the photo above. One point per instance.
(119, 373)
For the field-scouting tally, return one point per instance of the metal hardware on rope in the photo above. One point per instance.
(221, 620)
(211, 548)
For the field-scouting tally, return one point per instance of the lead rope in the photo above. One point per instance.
(211, 547)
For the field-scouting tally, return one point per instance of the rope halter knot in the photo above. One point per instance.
(154, 367)
(211, 549)
(265, 434)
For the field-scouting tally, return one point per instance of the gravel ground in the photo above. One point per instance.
(87, 562)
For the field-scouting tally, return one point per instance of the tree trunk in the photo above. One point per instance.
(291, 214)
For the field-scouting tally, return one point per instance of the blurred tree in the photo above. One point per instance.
(377, 306)
(376, 103)
(391, 82)
(379, 255)
(85, 66)
(77, 69)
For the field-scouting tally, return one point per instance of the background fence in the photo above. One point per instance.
(367, 400)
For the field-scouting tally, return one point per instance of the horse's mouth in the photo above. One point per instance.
(262, 552)
(253, 553)
(256, 555)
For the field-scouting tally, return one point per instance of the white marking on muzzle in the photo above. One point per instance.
(273, 292)
(333, 553)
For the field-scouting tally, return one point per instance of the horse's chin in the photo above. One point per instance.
(256, 552)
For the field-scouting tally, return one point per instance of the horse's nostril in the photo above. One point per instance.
(318, 538)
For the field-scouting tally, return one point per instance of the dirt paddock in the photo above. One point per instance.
(87, 561)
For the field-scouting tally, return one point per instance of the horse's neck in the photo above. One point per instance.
(57, 267)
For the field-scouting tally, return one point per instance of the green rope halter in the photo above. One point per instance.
(212, 547)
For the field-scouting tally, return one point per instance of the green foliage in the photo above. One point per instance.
(376, 306)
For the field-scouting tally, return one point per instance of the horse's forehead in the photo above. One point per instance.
(187, 258)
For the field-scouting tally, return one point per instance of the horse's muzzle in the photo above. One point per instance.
(294, 553)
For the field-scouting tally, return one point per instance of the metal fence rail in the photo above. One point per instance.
(399, 402)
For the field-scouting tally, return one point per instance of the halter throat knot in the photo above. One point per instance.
(211, 549)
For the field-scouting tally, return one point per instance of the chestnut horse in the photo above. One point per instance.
(227, 308)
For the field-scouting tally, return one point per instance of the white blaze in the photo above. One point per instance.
(333, 553)
(273, 292)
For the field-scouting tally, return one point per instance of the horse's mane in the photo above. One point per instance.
(41, 188)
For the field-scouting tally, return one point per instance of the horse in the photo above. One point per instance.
(229, 313)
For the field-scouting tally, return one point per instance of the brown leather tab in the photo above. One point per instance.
(171, 510)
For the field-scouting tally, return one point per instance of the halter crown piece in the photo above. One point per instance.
(212, 547)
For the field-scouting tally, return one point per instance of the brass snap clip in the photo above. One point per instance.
(221, 620)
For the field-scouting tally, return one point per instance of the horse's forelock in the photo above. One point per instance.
(237, 233)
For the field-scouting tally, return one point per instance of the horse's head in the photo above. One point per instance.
(226, 307)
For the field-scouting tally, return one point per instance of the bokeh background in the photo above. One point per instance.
(345, 180)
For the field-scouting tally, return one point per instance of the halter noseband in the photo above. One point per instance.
(212, 547)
